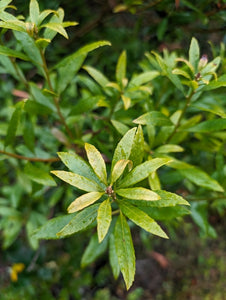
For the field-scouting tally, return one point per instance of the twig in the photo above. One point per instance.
(53, 159)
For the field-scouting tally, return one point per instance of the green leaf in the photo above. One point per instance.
(97, 162)
(44, 14)
(194, 53)
(39, 96)
(169, 148)
(4, 4)
(165, 213)
(59, 27)
(155, 118)
(38, 175)
(93, 250)
(97, 76)
(125, 250)
(29, 48)
(169, 199)
(103, 219)
(80, 222)
(78, 181)
(13, 124)
(138, 193)
(52, 226)
(84, 201)
(119, 168)
(201, 178)
(34, 11)
(126, 101)
(124, 147)
(121, 68)
(143, 78)
(142, 219)
(56, 18)
(143, 171)
(113, 257)
(137, 151)
(12, 53)
(14, 25)
(79, 166)
(209, 126)
(42, 43)
(120, 127)
(84, 105)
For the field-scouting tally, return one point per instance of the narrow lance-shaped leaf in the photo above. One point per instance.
(52, 226)
(103, 219)
(38, 175)
(119, 168)
(79, 166)
(121, 68)
(137, 151)
(80, 222)
(124, 147)
(34, 11)
(93, 251)
(113, 257)
(143, 78)
(125, 250)
(142, 219)
(13, 124)
(12, 53)
(84, 201)
(143, 171)
(138, 193)
(194, 53)
(97, 75)
(97, 162)
(154, 118)
(78, 181)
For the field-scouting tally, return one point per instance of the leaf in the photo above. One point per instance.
(169, 148)
(13, 124)
(52, 226)
(93, 251)
(78, 181)
(79, 166)
(126, 101)
(137, 151)
(201, 178)
(84, 105)
(121, 69)
(97, 76)
(29, 48)
(143, 171)
(56, 18)
(97, 162)
(103, 219)
(165, 213)
(124, 147)
(143, 78)
(138, 193)
(170, 199)
(12, 53)
(34, 11)
(155, 118)
(38, 175)
(14, 25)
(194, 53)
(142, 219)
(120, 127)
(119, 168)
(59, 27)
(209, 126)
(124, 250)
(4, 4)
(113, 257)
(44, 14)
(84, 201)
(80, 222)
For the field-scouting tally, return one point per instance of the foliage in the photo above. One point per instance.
(159, 138)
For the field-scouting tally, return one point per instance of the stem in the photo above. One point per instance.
(56, 100)
(187, 103)
(30, 158)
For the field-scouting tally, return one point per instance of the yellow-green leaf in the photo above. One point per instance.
(103, 219)
(138, 193)
(97, 162)
(84, 201)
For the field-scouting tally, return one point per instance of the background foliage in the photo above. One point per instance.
(179, 103)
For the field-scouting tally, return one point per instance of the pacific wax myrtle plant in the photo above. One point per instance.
(158, 135)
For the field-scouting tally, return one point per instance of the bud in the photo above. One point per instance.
(203, 61)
